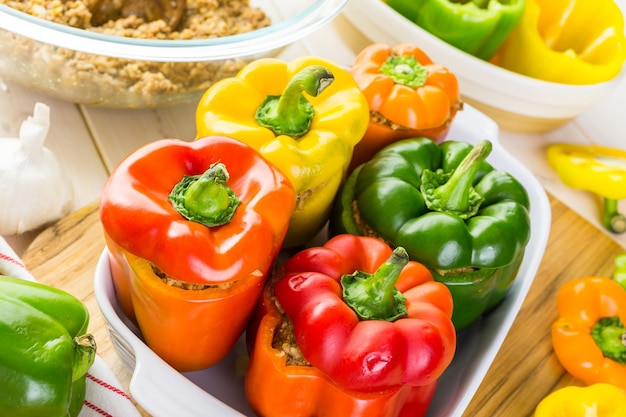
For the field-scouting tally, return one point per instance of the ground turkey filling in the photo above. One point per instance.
(285, 341)
(172, 282)
(114, 76)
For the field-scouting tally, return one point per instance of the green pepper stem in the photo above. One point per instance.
(455, 193)
(206, 198)
(405, 70)
(612, 219)
(482, 4)
(84, 355)
(291, 113)
(619, 274)
(374, 296)
(610, 336)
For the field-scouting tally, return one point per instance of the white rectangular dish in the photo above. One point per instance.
(218, 392)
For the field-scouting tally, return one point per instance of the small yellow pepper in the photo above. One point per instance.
(310, 137)
(597, 400)
(598, 169)
(567, 41)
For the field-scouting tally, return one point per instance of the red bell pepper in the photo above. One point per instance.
(193, 229)
(349, 329)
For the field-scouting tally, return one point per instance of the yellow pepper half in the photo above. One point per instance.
(304, 116)
(597, 400)
(598, 169)
(567, 41)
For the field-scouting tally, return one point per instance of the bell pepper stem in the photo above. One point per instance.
(481, 4)
(374, 296)
(291, 113)
(612, 219)
(206, 198)
(84, 355)
(610, 336)
(619, 274)
(454, 193)
(405, 70)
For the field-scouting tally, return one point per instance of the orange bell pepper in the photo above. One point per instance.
(408, 96)
(589, 337)
(192, 229)
(349, 329)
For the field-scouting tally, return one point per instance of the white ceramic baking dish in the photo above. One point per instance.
(218, 392)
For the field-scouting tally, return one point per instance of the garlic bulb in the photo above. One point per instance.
(34, 188)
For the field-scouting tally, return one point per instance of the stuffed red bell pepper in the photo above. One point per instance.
(192, 229)
(349, 329)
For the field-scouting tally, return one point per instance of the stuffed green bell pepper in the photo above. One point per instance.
(45, 352)
(478, 27)
(450, 209)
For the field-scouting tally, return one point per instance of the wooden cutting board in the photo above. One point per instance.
(524, 371)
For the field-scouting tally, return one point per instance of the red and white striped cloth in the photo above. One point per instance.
(105, 396)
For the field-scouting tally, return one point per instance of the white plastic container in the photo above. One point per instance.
(516, 102)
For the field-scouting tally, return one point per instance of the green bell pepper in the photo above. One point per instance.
(478, 27)
(45, 352)
(451, 210)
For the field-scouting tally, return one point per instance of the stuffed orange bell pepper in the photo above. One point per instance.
(192, 229)
(304, 116)
(589, 337)
(408, 96)
(349, 329)
(567, 41)
(597, 400)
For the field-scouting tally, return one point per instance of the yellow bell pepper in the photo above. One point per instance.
(598, 169)
(310, 137)
(597, 400)
(567, 41)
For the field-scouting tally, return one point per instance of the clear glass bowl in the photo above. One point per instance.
(93, 68)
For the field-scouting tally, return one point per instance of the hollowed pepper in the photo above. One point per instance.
(304, 116)
(478, 27)
(452, 211)
(192, 229)
(567, 41)
(349, 329)
(598, 169)
(45, 352)
(589, 337)
(408, 96)
(597, 400)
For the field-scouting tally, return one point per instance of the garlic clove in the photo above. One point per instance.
(35, 188)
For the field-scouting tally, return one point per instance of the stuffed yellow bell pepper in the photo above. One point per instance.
(304, 116)
(598, 169)
(567, 41)
(597, 400)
